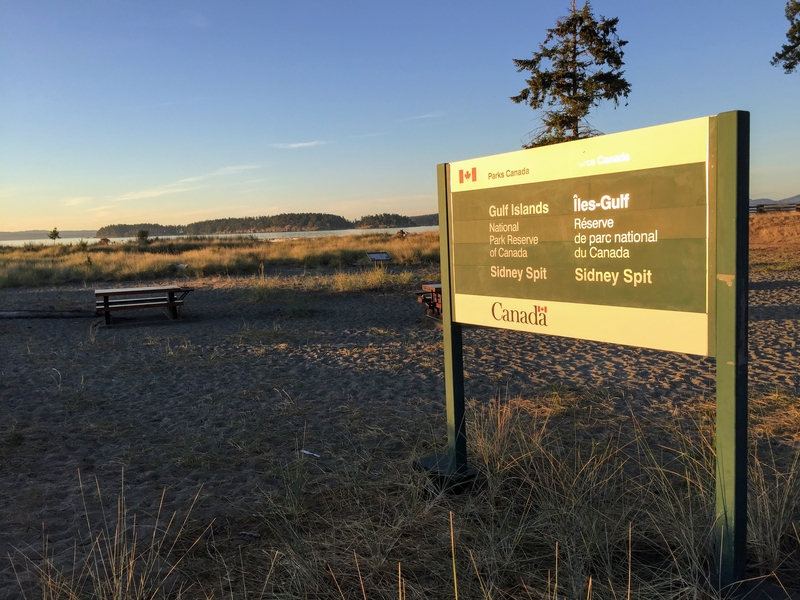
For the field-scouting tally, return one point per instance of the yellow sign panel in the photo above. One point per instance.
(603, 239)
(652, 147)
(658, 329)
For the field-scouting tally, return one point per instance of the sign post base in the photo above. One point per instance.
(443, 478)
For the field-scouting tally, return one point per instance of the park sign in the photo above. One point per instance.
(605, 239)
(637, 238)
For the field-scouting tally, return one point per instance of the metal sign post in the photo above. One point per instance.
(732, 215)
(450, 471)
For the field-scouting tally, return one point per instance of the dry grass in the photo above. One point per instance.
(774, 242)
(772, 230)
(575, 500)
(120, 559)
(767, 260)
(204, 257)
(276, 287)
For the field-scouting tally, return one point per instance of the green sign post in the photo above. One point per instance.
(637, 238)
(732, 153)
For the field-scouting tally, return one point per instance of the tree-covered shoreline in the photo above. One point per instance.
(265, 224)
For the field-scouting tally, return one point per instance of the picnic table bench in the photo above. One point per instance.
(169, 297)
(431, 297)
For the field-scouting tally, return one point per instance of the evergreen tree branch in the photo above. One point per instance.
(578, 65)
(789, 55)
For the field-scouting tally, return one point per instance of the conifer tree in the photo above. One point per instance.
(54, 234)
(578, 65)
(789, 55)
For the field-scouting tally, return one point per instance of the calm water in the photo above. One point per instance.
(261, 236)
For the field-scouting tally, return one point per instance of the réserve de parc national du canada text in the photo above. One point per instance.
(595, 237)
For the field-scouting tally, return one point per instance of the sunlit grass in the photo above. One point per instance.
(37, 265)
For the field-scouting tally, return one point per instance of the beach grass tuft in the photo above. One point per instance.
(120, 558)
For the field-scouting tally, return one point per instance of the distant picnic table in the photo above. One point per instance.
(431, 297)
(169, 297)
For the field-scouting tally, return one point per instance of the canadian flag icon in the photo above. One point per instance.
(467, 175)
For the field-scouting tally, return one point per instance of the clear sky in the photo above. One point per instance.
(173, 112)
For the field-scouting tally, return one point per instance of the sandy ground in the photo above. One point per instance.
(221, 400)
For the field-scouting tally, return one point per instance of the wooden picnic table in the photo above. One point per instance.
(169, 297)
(431, 297)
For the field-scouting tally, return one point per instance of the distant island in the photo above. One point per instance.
(282, 222)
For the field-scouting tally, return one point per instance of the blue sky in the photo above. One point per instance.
(174, 112)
